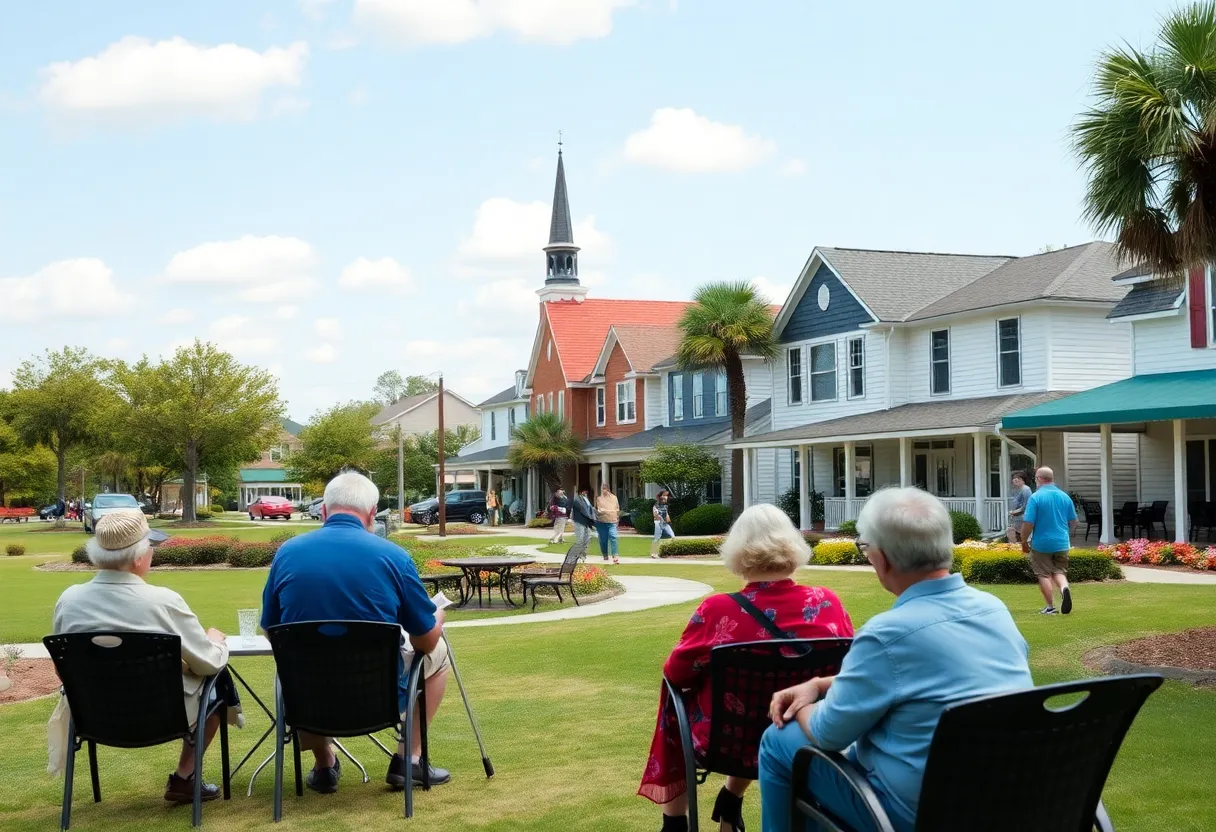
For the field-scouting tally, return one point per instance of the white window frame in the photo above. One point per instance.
(698, 395)
(676, 382)
(601, 406)
(721, 394)
(794, 395)
(549, 350)
(493, 426)
(549, 404)
(811, 371)
(540, 403)
(627, 405)
(796, 470)
(276, 453)
(510, 419)
(561, 404)
(858, 366)
(999, 381)
(949, 363)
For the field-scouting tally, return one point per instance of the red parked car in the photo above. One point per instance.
(264, 508)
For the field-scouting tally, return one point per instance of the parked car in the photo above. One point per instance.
(459, 505)
(313, 509)
(49, 512)
(103, 504)
(265, 508)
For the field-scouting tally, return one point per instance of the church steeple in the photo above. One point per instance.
(561, 255)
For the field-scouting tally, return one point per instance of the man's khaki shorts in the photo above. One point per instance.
(434, 662)
(1046, 564)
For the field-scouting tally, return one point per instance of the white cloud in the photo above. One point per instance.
(279, 290)
(314, 9)
(681, 140)
(323, 354)
(384, 274)
(83, 287)
(137, 80)
(330, 328)
(116, 344)
(775, 292)
(245, 259)
(177, 316)
(240, 335)
(413, 22)
(506, 232)
(794, 167)
(286, 312)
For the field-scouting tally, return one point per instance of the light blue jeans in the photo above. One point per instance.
(662, 530)
(608, 538)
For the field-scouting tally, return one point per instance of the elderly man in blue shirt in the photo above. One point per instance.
(344, 572)
(943, 642)
(1050, 520)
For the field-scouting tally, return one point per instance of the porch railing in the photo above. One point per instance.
(992, 519)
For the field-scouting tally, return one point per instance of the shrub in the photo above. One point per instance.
(837, 552)
(192, 551)
(249, 554)
(80, 554)
(788, 502)
(965, 526)
(641, 511)
(707, 519)
(847, 528)
(280, 538)
(166, 515)
(202, 515)
(687, 548)
(217, 509)
(15, 550)
(983, 566)
(540, 523)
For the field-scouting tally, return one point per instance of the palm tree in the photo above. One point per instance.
(727, 321)
(547, 443)
(1149, 146)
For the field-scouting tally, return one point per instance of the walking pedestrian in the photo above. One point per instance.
(1047, 527)
(1018, 497)
(662, 522)
(583, 515)
(559, 510)
(607, 516)
(492, 506)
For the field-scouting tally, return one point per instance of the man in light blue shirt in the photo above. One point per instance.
(1050, 520)
(943, 642)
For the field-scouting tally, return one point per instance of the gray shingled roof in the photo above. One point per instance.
(1078, 273)
(945, 415)
(561, 230)
(498, 454)
(508, 395)
(714, 433)
(895, 284)
(290, 426)
(1146, 298)
(1140, 270)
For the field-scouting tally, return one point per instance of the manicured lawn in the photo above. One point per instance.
(633, 546)
(567, 709)
(42, 539)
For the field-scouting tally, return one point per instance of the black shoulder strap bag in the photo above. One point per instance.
(761, 619)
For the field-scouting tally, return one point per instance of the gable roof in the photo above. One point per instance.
(644, 346)
(580, 328)
(291, 427)
(1147, 299)
(407, 403)
(508, 395)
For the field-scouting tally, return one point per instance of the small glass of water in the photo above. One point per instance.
(248, 620)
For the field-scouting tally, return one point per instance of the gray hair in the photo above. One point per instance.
(764, 541)
(911, 527)
(351, 491)
(116, 558)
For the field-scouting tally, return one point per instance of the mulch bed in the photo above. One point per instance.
(1192, 649)
(31, 678)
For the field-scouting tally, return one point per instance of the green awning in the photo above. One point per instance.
(258, 475)
(1150, 398)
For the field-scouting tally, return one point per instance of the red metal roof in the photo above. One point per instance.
(580, 327)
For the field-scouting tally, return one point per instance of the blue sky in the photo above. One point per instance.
(332, 188)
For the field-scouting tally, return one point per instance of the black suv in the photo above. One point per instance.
(458, 505)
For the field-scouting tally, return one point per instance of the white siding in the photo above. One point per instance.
(664, 414)
(1163, 345)
(758, 377)
(973, 357)
(1087, 350)
(1082, 463)
(1051, 454)
(1157, 466)
(786, 415)
(897, 376)
(655, 400)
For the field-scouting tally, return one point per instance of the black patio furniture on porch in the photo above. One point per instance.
(563, 576)
(1203, 518)
(341, 679)
(747, 674)
(1128, 515)
(1151, 515)
(1093, 517)
(101, 674)
(1035, 759)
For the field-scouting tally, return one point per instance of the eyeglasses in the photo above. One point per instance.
(862, 546)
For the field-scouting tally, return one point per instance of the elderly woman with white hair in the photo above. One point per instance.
(118, 598)
(764, 549)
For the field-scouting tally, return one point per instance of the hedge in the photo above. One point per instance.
(837, 552)
(847, 528)
(216, 508)
(686, 548)
(15, 550)
(710, 518)
(641, 512)
(208, 551)
(965, 527)
(1004, 567)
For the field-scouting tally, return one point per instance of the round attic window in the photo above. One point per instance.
(825, 296)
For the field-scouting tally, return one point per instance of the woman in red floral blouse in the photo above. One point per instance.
(764, 549)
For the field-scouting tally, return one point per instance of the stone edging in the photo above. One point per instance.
(1104, 660)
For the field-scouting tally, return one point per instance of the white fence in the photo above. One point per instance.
(836, 511)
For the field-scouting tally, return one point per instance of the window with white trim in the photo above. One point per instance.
(939, 361)
(549, 350)
(857, 368)
(511, 419)
(795, 375)
(626, 402)
(601, 406)
(549, 404)
(540, 402)
(1009, 352)
(677, 397)
(720, 393)
(493, 426)
(796, 471)
(278, 453)
(561, 404)
(698, 395)
(823, 372)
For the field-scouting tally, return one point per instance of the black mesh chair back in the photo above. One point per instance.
(1019, 761)
(743, 678)
(1157, 513)
(1093, 512)
(103, 673)
(338, 678)
(576, 553)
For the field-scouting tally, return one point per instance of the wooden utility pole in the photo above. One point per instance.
(443, 520)
(400, 475)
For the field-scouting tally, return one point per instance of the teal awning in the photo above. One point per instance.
(257, 475)
(1151, 398)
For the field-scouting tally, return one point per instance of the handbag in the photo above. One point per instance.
(761, 619)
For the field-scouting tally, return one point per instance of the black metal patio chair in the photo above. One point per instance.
(103, 674)
(1093, 517)
(1005, 763)
(564, 576)
(743, 678)
(1202, 515)
(1151, 516)
(340, 679)
(1128, 515)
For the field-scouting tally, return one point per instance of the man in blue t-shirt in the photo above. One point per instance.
(1047, 528)
(343, 572)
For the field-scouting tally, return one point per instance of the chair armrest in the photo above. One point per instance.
(1102, 820)
(850, 773)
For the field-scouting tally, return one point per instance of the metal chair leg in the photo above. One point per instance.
(279, 739)
(295, 755)
(200, 741)
(572, 595)
(93, 772)
(224, 761)
(65, 817)
(423, 758)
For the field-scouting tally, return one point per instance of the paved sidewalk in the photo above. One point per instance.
(1140, 575)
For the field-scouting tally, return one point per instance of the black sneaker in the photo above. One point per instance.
(1066, 604)
(181, 790)
(396, 774)
(325, 780)
(1048, 610)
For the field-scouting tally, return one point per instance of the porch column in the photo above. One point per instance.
(747, 478)
(850, 479)
(530, 500)
(604, 474)
(1106, 485)
(804, 487)
(905, 464)
(1006, 474)
(977, 455)
(1180, 523)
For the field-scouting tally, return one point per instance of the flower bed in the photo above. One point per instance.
(1162, 553)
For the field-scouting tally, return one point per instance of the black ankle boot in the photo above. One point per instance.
(675, 823)
(728, 808)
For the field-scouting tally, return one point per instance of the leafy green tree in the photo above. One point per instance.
(202, 410)
(390, 386)
(683, 469)
(1148, 145)
(56, 401)
(25, 471)
(545, 442)
(727, 321)
(339, 437)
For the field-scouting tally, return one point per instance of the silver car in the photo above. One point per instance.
(103, 504)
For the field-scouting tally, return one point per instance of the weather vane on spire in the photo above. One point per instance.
(559, 141)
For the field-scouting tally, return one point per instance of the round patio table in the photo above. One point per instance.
(473, 569)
